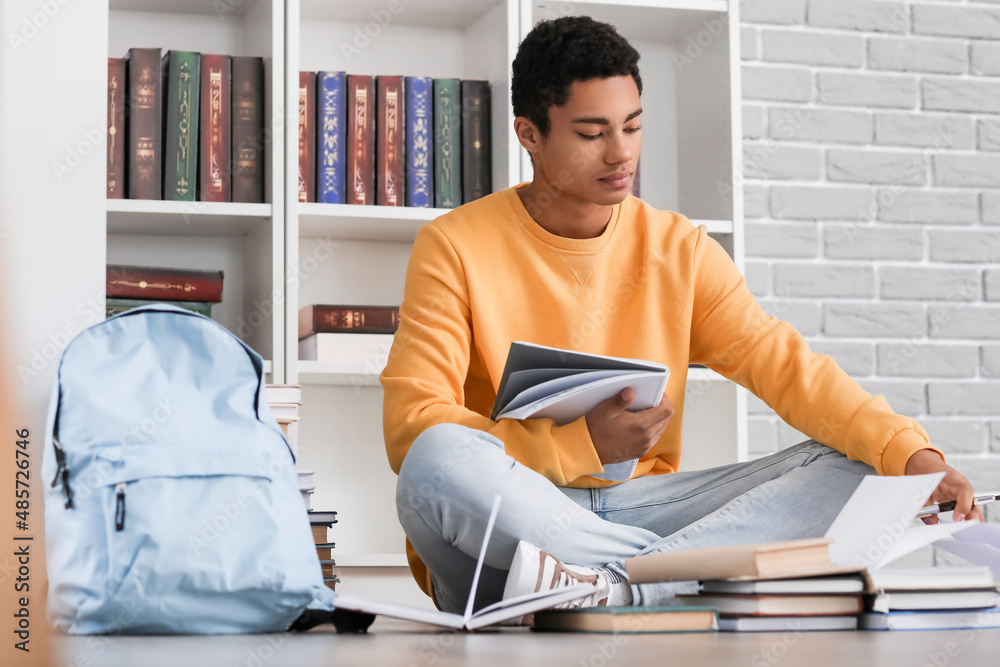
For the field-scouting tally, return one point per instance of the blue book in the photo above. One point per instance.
(332, 152)
(419, 142)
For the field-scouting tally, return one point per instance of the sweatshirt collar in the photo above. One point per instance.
(529, 225)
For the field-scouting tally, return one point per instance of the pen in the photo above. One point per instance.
(937, 508)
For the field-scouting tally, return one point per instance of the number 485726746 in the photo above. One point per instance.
(22, 478)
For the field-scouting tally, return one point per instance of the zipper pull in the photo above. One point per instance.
(62, 473)
(120, 506)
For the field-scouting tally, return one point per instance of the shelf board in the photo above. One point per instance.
(427, 13)
(364, 223)
(182, 7)
(715, 226)
(370, 560)
(184, 218)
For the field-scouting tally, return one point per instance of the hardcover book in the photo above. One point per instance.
(371, 350)
(307, 136)
(145, 124)
(389, 136)
(215, 147)
(477, 141)
(181, 73)
(317, 318)
(248, 130)
(952, 619)
(360, 139)
(786, 623)
(116, 128)
(627, 620)
(447, 143)
(333, 137)
(563, 385)
(419, 144)
(736, 604)
(157, 283)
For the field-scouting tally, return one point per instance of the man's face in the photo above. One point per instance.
(594, 140)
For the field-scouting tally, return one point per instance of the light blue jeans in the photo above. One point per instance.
(451, 474)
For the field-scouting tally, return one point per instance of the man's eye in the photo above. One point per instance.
(633, 129)
(589, 136)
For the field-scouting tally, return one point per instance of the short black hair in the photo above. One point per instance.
(559, 52)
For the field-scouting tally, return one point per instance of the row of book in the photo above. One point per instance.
(186, 126)
(393, 140)
(128, 286)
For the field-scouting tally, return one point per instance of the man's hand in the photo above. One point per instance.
(954, 486)
(619, 435)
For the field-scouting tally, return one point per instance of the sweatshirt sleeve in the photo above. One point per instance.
(424, 377)
(732, 335)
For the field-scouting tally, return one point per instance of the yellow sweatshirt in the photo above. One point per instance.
(651, 286)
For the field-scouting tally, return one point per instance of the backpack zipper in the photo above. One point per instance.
(62, 473)
(120, 506)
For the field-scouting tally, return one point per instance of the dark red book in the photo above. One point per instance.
(151, 282)
(248, 130)
(145, 124)
(116, 128)
(361, 111)
(315, 319)
(307, 136)
(214, 152)
(389, 135)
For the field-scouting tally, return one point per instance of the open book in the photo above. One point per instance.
(563, 385)
(494, 613)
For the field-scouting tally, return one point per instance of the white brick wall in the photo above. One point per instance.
(872, 198)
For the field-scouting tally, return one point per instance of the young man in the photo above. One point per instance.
(570, 260)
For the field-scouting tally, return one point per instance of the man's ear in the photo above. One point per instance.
(527, 134)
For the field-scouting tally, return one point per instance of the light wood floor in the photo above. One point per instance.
(392, 642)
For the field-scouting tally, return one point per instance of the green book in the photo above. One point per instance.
(447, 143)
(628, 620)
(115, 305)
(182, 73)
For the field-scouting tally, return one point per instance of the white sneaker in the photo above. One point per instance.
(534, 570)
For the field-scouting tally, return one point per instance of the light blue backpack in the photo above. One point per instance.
(173, 505)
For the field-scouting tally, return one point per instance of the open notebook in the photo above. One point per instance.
(494, 613)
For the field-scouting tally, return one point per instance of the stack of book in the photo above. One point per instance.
(284, 401)
(393, 140)
(194, 128)
(347, 334)
(321, 522)
(931, 598)
(129, 287)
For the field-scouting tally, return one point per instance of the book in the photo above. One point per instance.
(181, 75)
(736, 604)
(470, 620)
(346, 348)
(324, 549)
(928, 578)
(933, 600)
(360, 139)
(627, 620)
(321, 318)
(419, 142)
(114, 305)
(786, 623)
(307, 136)
(284, 411)
(769, 560)
(216, 129)
(116, 128)
(332, 122)
(144, 124)
(248, 130)
(149, 282)
(447, 143)
(793, 586)
(306, 479)
(477, 141)
(563, 385)
(390, 166)
(956, 619)
(284, 393)
(326, 518)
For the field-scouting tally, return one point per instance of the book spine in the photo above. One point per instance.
(215, 169)
(360, 139)
(332, 143)
(248, 130)
(447, 143)
(116, 128)
(134, 282)
(419, 146)
(348, 319)
(181, 72)
(307, 136)
(477, 157)
(389, 132)
(113, 305)
(145, 124)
